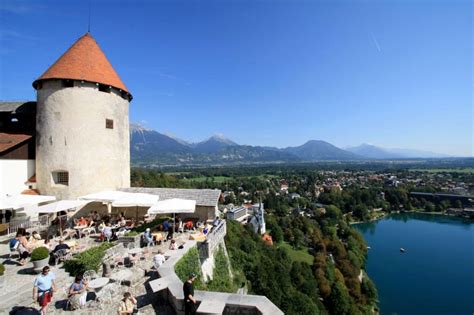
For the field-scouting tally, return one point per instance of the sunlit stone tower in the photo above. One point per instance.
(82, 141)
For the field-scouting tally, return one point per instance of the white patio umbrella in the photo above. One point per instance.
(62, 205)
(105, 196)
(136, 200)
(174, 205)
(20, 201)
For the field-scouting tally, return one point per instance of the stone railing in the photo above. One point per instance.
(209, 302)
(213, 239)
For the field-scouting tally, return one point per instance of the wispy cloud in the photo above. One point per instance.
(18, 7)
(162, 93)
(376, 43)
(14, 35)
(157, 72)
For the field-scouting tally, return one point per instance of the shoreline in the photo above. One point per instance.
(385, 214)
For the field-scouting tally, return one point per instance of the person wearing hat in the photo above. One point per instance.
(189, 300)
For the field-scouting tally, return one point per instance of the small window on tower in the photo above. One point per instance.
(61, 178)
(104, 88)
(68, 83)
(109, 124)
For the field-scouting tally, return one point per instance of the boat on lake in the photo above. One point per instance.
(402, 249)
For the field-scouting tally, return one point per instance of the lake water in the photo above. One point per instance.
(436, 273)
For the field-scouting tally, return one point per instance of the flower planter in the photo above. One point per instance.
(39, 264)
(129, 239)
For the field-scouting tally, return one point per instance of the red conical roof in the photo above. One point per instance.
(84, 61)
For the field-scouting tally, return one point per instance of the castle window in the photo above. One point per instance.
(109, 123)
(67, 83)
(104, 88)
(61, 178)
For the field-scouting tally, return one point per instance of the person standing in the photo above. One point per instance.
(189, 300)
(8, 215)
(43, 288)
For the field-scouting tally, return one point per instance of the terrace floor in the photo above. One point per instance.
(16, 293)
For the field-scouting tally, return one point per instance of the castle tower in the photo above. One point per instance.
(82, 125)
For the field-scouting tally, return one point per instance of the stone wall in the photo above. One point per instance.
(72, 136)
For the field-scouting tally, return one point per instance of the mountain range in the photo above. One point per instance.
(151, 148)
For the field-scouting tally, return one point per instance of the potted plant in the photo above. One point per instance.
(130, 237)
(2, 278)
(40, 257)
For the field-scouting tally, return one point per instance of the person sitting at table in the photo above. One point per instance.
(36, 236)
(158, 259)
(82, 221)
(131, 224)
(107, 232)
(122, 222)
(23, 248)
(148, 237)
(127, 305)
(189, 225)
(77, 293)
(60, 246)
(173, 245)
(47, 244)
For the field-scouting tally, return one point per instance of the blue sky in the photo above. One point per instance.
(393, 73)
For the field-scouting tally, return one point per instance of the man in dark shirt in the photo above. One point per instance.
(189, 300)
(60, 246)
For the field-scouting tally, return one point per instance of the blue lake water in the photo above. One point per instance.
(436, 273)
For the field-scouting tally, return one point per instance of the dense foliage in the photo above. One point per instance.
(39, 253)
(90, 259)
(188, 264)
(221, 277)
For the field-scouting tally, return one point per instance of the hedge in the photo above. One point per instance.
(90, 259)
(39, 253)
(221, 278)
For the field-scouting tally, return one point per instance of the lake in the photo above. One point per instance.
(436, 273)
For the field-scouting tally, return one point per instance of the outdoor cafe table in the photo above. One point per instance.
(98, 283)
(134, 251)
(72, 244)
(158, 236)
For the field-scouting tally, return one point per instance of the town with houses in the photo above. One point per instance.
(83, 231)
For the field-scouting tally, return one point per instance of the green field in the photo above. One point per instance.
(200, 179)
(466, 170)
(297, 254)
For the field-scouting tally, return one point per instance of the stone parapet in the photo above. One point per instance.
(234, 303)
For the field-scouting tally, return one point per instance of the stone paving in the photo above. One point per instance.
(16, 293)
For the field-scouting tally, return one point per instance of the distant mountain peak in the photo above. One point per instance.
(176, 138)
(137, 127)
(219, 137)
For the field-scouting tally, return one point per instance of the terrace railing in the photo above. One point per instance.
(213, 239)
